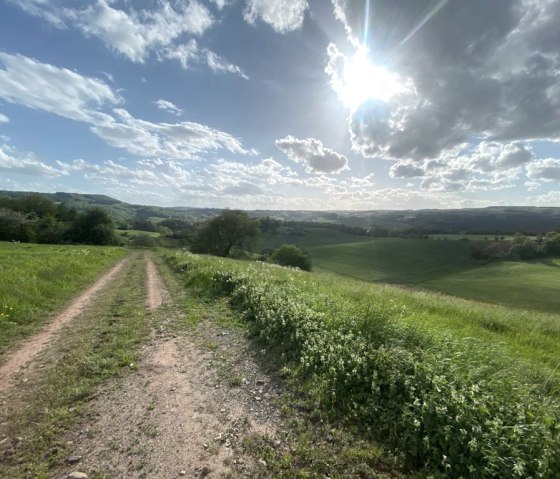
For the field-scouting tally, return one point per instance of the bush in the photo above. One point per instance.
(291, 255)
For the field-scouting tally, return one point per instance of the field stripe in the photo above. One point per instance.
(34, 345)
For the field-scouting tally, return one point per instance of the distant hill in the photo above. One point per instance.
(493, 220)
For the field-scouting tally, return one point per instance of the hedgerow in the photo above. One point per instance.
(452, 407)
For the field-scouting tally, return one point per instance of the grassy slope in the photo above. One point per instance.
(37, 279)
(394, 259)
(444, 266)
(530, 285)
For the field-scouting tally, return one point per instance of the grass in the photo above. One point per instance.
(444, 266)
(35, 280)
(393, 259)
(459, 389)
(98, 345)
(530, 285)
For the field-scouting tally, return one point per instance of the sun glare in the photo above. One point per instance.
(364, 81)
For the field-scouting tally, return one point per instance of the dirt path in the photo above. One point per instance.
(175, 415)
(34, 345)
(155, 290)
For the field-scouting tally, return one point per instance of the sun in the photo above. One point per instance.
(364, 81)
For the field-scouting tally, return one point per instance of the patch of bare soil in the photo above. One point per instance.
(177, 414)
(155, 290)
(17, 360)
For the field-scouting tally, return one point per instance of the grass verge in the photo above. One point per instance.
(100, 344)
(35, 280)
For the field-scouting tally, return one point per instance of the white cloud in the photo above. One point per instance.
(185, 54)
(312, 154)
(13, 161)
(219, 64)
(61, 91)
(169, 106)
(189, 54)
(282, 15)
(495, 80)
(68, 94)
(220, 4)
(545, 170)
(4, 118)
(132, 33)
(184, 140)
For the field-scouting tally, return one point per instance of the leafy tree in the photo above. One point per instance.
(291, 255)
(220, 234)
(95, 226)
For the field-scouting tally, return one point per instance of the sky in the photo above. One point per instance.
(283, 104)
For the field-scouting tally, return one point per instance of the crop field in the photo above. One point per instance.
(36, 279)
(461, 389)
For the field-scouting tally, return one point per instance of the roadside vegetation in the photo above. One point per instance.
(459, 389)
(100, 344)
(35, 280)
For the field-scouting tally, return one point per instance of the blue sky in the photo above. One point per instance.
(283, 104)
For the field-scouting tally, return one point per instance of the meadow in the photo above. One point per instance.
(460, 389)
(435, 264)
(35, 280)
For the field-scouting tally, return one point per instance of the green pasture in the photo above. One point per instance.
(444, 266)
(35, 280)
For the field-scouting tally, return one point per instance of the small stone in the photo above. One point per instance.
(262, 462)
(277, 443)
(182, 473)
(77, 475)
(18, 439)
(258, 398)
(73, 459)
(222, 411)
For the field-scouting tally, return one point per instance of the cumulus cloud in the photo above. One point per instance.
(132, 33)
(184, 140)
(13, 161)
(4, 118)
(168, 106)
(282, 15)
(57, 90)
(406, 170)
(68, 94)
(312, 154)
(545, 170)
(483, 70)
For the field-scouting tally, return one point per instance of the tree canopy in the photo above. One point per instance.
(219, 235)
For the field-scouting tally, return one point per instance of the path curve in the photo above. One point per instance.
(36, 343)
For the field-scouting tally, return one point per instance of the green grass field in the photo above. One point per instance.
(37, 279)
(439, 265)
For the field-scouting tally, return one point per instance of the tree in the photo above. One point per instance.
(95, 226)
(220, 234)
(291, 255)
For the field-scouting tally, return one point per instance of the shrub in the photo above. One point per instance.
(291, 255)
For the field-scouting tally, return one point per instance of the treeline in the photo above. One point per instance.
(34, 218)
(520, 247)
